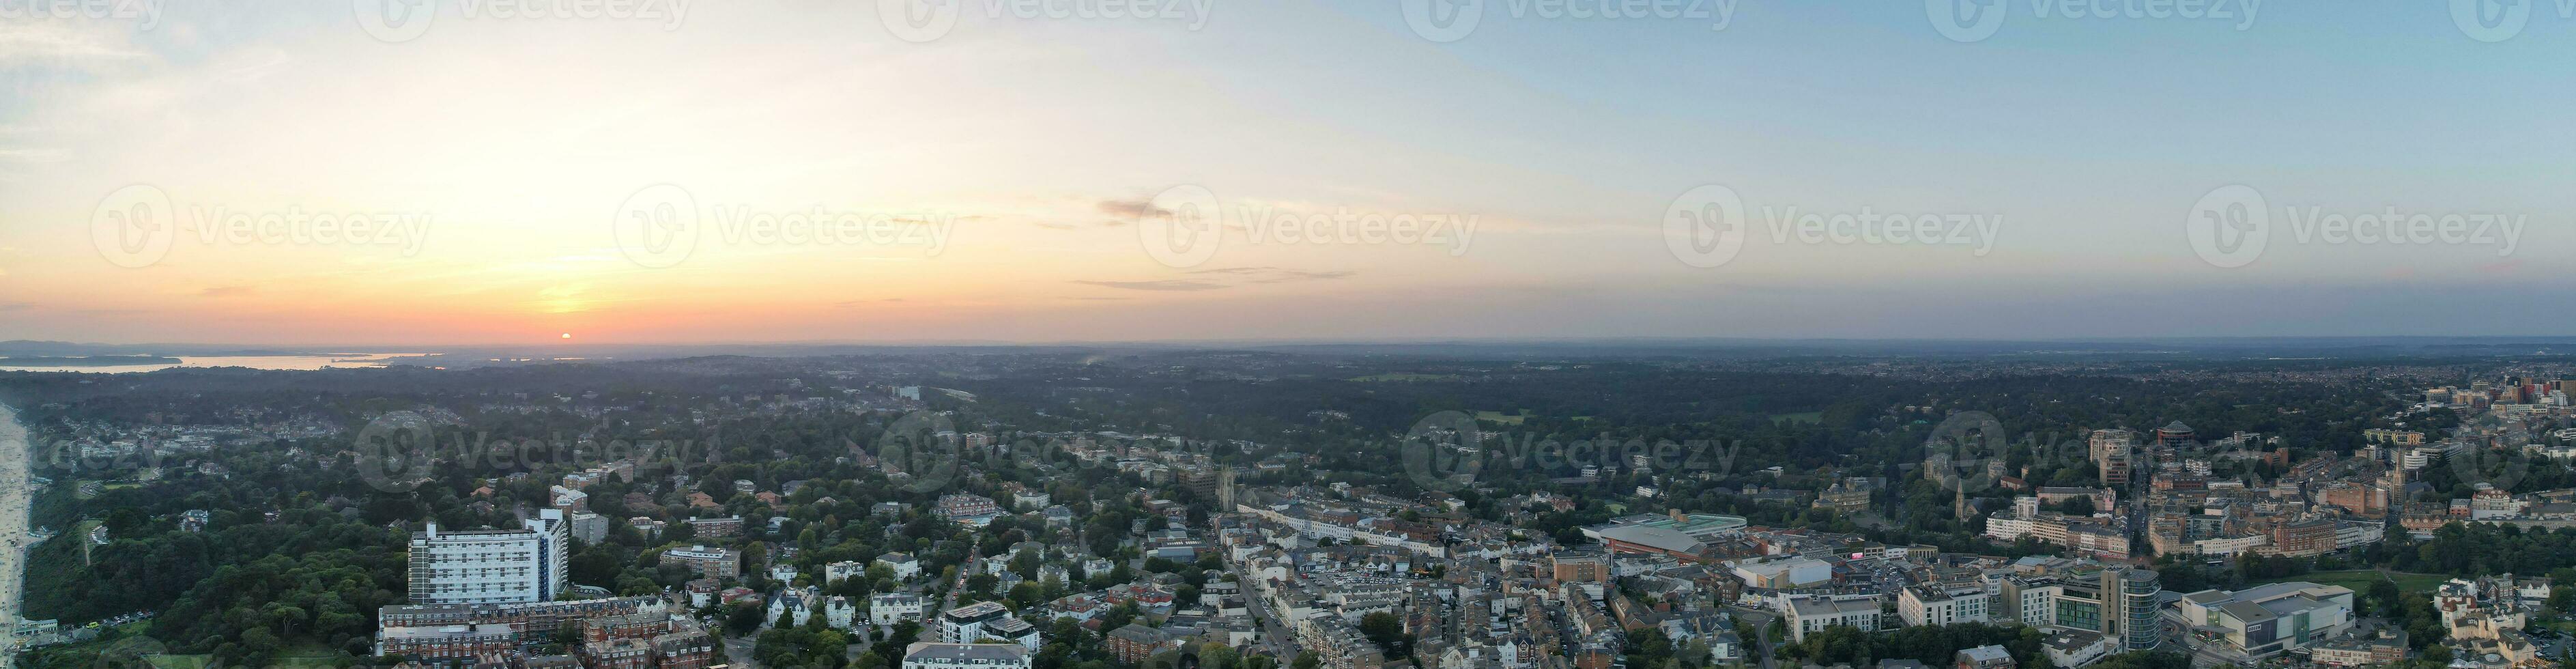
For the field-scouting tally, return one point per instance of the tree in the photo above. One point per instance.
(743, 618)
(1387, 631)
(1218, 656)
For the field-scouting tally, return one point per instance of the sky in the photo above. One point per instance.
(384, 173)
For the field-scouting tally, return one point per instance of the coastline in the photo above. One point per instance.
(13, 530)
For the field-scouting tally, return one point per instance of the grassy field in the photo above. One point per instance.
(179, 661)
(315, 660)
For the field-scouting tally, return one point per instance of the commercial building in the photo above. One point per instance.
(2117, 603)
(2175, 435)
(2266, 620)
(1782, 574)
(2139, 629)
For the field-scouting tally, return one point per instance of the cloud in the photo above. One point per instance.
(1160, 284)
(1128, 211)
(1224, 277)
(1276, 274)
(1132, 208)
(63, 43)
(226, 291)
(15, 306)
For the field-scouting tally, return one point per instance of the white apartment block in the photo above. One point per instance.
(1814, 614)
(1934, 605)
(491, 566)
(966, 656)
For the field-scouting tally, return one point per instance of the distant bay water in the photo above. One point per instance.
(112, 365)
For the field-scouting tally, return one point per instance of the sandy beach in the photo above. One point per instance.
(13, 529)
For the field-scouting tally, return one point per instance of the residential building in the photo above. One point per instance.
(491, 566)
(716, 562)
(925, 655)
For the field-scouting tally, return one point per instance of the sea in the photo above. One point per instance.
(283, 362)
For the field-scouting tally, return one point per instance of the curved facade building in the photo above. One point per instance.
(2139, 629)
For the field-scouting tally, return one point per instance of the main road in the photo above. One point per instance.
(13, 530)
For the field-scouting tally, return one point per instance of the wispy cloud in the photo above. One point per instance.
(1131, 208)
(1159, 284)
(1276, 274)
(1123, 212)
(62, 43)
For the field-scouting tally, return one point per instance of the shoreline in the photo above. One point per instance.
(14, 500)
